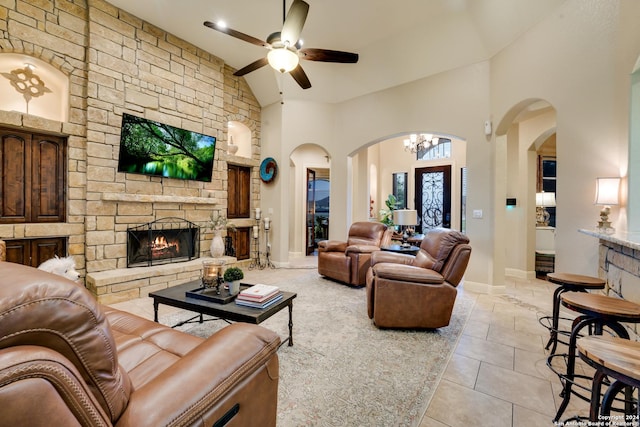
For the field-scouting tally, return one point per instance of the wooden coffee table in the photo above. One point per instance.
(176, 296)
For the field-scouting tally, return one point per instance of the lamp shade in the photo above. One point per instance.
(283, 59)
(546, 200)
(607, 191)
(405, 217)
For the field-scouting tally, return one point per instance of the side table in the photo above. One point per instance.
(409, 250)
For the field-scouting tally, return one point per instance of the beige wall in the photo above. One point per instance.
(579, 60)
(343, 129)
(584, 74)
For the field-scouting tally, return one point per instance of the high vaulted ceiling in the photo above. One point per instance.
(398, 40)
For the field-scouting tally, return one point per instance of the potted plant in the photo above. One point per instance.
(386, 215)
(232, 276)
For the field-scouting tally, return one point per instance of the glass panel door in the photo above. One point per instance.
(433, 197)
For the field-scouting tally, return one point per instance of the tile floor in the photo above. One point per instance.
(497, 375)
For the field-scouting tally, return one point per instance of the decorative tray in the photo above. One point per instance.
(210, 294)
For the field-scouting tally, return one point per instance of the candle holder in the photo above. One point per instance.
(261, 259)
(212, 274)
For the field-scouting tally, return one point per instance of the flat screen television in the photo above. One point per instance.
(152, 148)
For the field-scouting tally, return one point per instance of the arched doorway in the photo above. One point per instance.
(528, 133)
(311, 171)
(414, 177)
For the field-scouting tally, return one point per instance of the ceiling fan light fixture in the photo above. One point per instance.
(283, 59)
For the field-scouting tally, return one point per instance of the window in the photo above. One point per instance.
(400, 189)
(547, 182)
(442, 150)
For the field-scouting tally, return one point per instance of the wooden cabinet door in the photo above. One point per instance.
(15, 167)
(32, 169)
(239, 192)
(48, 179)
(33, 252)
(241, 240)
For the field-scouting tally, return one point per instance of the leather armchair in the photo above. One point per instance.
(348, 262)
(67, 360)
(404, 291)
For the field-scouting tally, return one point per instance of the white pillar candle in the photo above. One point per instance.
(267, 222)
(257, 213)
(255, 231)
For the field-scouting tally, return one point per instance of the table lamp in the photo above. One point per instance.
(607, 192)
(405, 218)
(544, 201)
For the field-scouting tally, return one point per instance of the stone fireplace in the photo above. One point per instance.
(114, 63)
(167, 240)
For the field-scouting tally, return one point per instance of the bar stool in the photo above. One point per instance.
(615, 358)
(568, 283)
(597, 311)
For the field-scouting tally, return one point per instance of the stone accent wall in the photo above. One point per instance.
(619, 265)
(118, 63)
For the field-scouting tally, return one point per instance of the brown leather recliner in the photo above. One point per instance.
(66, 360)
(348, 262)
(418, 292)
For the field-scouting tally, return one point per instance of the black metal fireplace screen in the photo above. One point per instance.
(162, 241)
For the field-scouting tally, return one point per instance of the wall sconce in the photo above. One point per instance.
(607, 195)
(544, 201)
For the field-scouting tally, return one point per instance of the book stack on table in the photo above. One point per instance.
(259, 296)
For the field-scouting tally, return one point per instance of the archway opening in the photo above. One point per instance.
(528, 131)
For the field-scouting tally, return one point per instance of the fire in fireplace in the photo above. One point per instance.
(163, 241)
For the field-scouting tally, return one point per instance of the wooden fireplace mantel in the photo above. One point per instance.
(151, 198)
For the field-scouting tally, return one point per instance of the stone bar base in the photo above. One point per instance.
(619, 265)
(124, 284)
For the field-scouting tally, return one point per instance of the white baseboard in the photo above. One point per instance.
(520, 274)
(484, 288)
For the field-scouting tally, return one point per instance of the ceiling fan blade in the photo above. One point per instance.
(300, 77)
(236, 34)
(294, 22)
(325, 55)
(252, 67)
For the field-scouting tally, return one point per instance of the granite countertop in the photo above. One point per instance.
(624, 238)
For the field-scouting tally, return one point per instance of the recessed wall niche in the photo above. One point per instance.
(31, 86)
(240, 136)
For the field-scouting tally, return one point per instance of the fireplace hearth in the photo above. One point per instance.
(163, 241)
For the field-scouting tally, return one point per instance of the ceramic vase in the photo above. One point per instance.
(217, 244)
(234, 287)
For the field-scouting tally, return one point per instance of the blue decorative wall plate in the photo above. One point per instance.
(268, 169)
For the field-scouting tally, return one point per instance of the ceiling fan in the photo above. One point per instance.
(285, 47)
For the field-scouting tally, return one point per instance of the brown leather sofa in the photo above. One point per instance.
(65, 360)
(348, 262)
(418, 292)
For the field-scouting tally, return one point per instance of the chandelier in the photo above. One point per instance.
(420, 142)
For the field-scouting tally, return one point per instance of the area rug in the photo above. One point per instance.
(342, 370)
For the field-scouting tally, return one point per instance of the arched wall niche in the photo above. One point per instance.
(240, 135)
(31, 86)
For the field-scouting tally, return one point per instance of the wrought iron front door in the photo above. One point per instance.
(433, 197)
